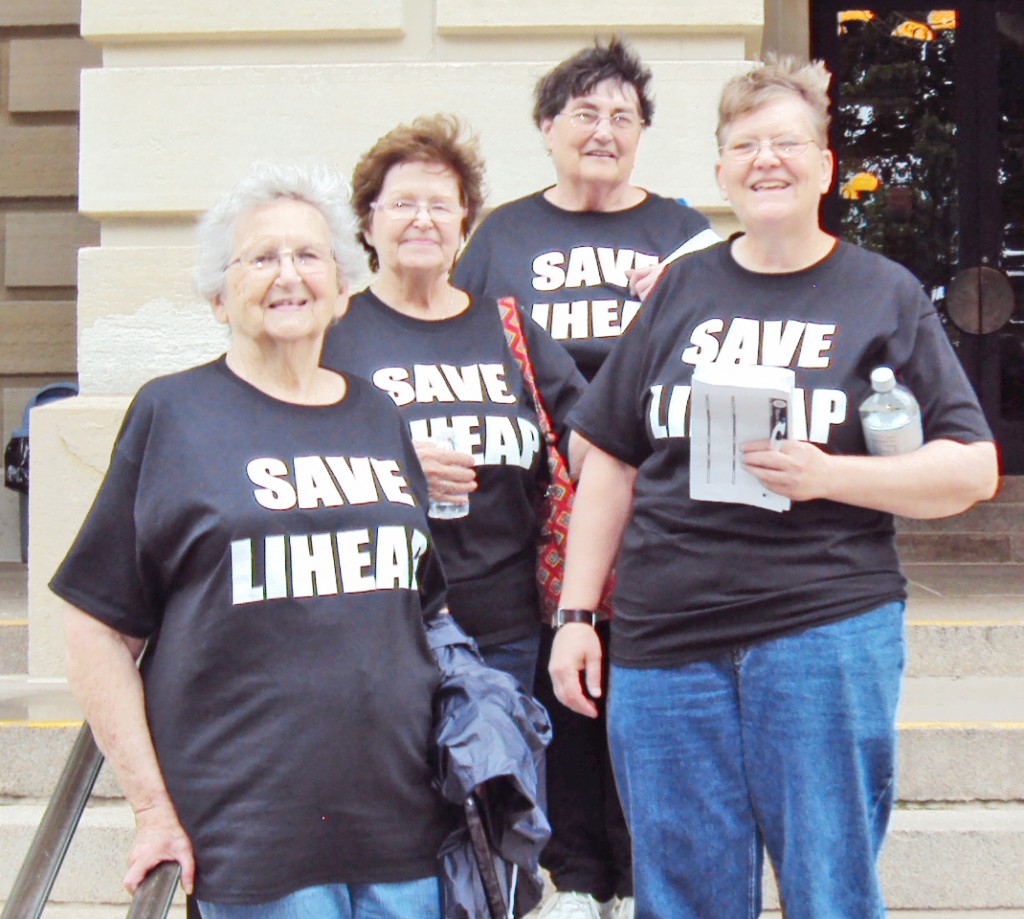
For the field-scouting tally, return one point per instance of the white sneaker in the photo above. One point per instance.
(622, 908)
(570, 904)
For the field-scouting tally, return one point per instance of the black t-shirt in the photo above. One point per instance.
(567, 269)
(459, 373)
(699, 578)
(278, 558)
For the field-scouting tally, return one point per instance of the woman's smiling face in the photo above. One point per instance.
(772, 191)
(424, 238)
(604, 152)
(282, 285)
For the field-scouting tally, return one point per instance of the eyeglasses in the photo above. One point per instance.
(785, 148)
(307, 261)
(440, 211)
(585, 119)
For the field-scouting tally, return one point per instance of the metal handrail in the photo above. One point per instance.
(45, 856)
(49, 846)
(153, 898)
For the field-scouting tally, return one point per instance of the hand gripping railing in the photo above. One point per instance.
(45, 856)
(153, 898)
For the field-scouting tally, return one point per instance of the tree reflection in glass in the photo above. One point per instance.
(896, 131)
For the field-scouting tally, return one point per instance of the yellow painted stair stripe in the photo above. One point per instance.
(41, 724)
(959, 623)
(956, 725)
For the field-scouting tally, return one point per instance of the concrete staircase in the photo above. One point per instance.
(956, 847)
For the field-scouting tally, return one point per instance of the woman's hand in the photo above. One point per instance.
(159, 837)
(797, 470)
(451, 476)
(576, 650)
(642, 280)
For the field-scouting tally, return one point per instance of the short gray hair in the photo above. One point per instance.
(778, 77)
(317, 185)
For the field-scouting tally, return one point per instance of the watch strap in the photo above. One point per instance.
(565, 616)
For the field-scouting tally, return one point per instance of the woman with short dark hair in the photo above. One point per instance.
(568, 254)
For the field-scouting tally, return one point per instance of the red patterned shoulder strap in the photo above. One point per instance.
(516, 339)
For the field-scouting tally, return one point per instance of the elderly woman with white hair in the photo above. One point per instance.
(262, 528)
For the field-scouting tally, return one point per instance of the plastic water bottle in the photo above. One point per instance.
(447, 510)
(890, 416)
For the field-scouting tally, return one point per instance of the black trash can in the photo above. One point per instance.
(17, 450)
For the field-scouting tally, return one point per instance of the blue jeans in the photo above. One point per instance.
(402, 900)
(789, 746)
(517, 658)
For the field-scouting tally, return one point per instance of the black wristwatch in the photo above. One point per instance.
(565, 616)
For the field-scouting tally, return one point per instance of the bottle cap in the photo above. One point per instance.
(882, 379)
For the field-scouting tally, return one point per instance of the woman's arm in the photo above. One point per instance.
(578, 448)
(106, 683)
(940, 479)
(599, 516)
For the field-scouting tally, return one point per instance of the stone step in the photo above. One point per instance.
(961, 739)
(965, 648)
(970, 548)
(965, 620)
(1001, 516)
(1011, 490)
(95, 862)
(13, 646)
(936, 914)
(13, 589)
(953, 858)
(13, 618)
(120, 910)
(991, 532)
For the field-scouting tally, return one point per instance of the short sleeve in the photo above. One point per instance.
(102, 573)
(610, 412)
(471, 271)
(933, 372)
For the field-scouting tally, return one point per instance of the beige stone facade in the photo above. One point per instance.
(191, 93)
(41, 57)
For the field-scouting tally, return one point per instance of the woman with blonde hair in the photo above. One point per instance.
(756, 656)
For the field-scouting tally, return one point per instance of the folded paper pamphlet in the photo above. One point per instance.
(731, 405)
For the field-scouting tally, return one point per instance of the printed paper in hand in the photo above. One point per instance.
(732, 405)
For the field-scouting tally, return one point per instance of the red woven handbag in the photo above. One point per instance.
(557, 506)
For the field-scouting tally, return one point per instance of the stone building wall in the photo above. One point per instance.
(41, 56)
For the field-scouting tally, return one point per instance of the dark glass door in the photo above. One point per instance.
(928, 128)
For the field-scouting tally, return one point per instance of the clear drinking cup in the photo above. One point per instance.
(448, 510)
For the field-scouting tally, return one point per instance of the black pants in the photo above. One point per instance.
(589, 849)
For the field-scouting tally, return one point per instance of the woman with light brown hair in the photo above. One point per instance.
(441, 356)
